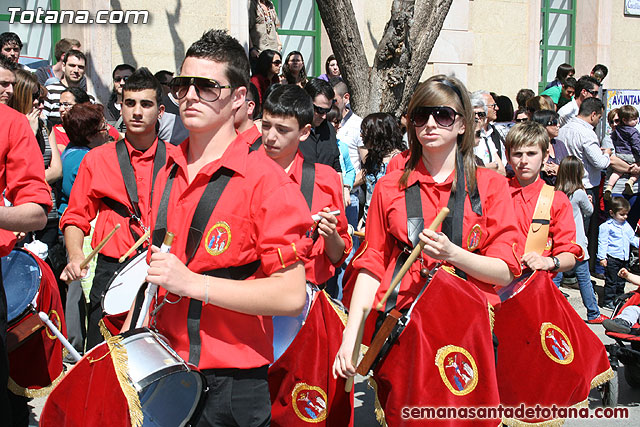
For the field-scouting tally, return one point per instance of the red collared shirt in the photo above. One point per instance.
(251, 135)
(261, 215)
(492, 234)
(21, 168)
(562, 227)
(327, 192)
(99, 177)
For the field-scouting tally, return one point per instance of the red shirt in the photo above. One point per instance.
(63, 139)
(398, 161)
(261, 215)
(251, 135)
(327, 192)
(493, 234)
(562, 227)
(21, 168)
(99, 177)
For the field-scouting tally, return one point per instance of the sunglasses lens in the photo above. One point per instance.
(420, 117)
(444, 116)
(206, 89)
(277, 62)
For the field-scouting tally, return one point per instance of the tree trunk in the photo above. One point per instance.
(401, 56)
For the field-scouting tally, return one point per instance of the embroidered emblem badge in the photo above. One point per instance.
(473, 239)
(555, 343)
(549, 244)
(218, 238)
(458, 369)
(309, 403)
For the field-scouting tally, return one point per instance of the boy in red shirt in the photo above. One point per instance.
(100, 188)
(527, 150)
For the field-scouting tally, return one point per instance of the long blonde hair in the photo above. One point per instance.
(443, 90)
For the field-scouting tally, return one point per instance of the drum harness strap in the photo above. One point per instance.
(451, 227)
(201, 216)
(539, 228)
(129, 177)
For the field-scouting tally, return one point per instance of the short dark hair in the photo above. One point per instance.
(63, 46)
(339, 86)
(330, 58)
(218, 46)
(589, 106)
(76, 54)
(79, 94)
(122, 67)
(627, 112)
(618, 204)
(563, 71)
(9, 37)
(315, 87)
(290, 101)
(163, 76)
(505, 109)
(523, 96)
(570, 82)
(600, 69)
(544, 116)
(142, 79)
(586, 83)
(254, 95)
(83, 121)
(265, 60)
(7, 64)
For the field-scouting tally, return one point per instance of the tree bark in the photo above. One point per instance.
(401, 56)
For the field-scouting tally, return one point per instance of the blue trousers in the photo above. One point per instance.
(581, 271)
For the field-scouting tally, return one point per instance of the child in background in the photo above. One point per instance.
(626, 142)
(614, 239)
(630, 315)
(569, 181)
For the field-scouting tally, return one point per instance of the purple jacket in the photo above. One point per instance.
(626, 140)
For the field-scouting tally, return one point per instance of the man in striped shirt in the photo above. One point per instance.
(73, 67)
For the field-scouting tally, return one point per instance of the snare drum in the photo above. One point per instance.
(285, 328)
(122, 290)
(35, 354)
(170, 391)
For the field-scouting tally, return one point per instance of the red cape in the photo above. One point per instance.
(546, 353)
(302, 387)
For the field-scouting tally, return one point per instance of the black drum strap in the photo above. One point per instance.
(256, 144)
(128, 175)
(308, 181)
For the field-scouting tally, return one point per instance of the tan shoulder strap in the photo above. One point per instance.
(539, 228)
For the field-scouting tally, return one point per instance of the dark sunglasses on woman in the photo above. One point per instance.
(444, 116)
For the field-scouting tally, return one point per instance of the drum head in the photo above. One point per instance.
(285, 328)
(21, 276)
(124, 286)
(172, 400)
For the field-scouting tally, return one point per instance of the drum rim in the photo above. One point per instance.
(32, 306)
(113, 278)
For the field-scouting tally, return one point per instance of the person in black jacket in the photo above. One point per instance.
(322, 145)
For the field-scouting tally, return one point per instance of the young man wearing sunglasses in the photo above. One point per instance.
(586, 87)
(117, 181)
(250, 238)
(322, 145)
(112, 112)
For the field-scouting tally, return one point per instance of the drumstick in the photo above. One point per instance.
(151, 288)
(317, 216)
(412, 257)
(72, 351)
(356, 352)
(93, 253)
(359, 234)
(135, 246)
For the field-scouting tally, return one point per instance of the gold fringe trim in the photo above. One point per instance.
(339, 311)
(121, 366)
(378, 407)
(602, 378)
(104, 330)
(492, 316)
(32, 393)
(512, 422)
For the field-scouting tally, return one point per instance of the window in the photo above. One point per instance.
(38, 39)
(558, 35)
(300, 30)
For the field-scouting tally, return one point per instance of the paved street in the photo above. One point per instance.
(628, 397)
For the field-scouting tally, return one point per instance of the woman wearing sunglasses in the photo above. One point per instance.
(557, 149)
(482, 221)
(267, 71)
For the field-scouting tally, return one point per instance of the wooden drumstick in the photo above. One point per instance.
(412, 257)
(93, 253)
(359, 234)
(135, 246)
(356, 352)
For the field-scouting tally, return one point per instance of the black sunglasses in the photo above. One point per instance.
(521, 120)
(553, 122)
(277, 62)
(207, 89)
(480, 114)
(321, 110)
(444, 116)
(123, 78)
